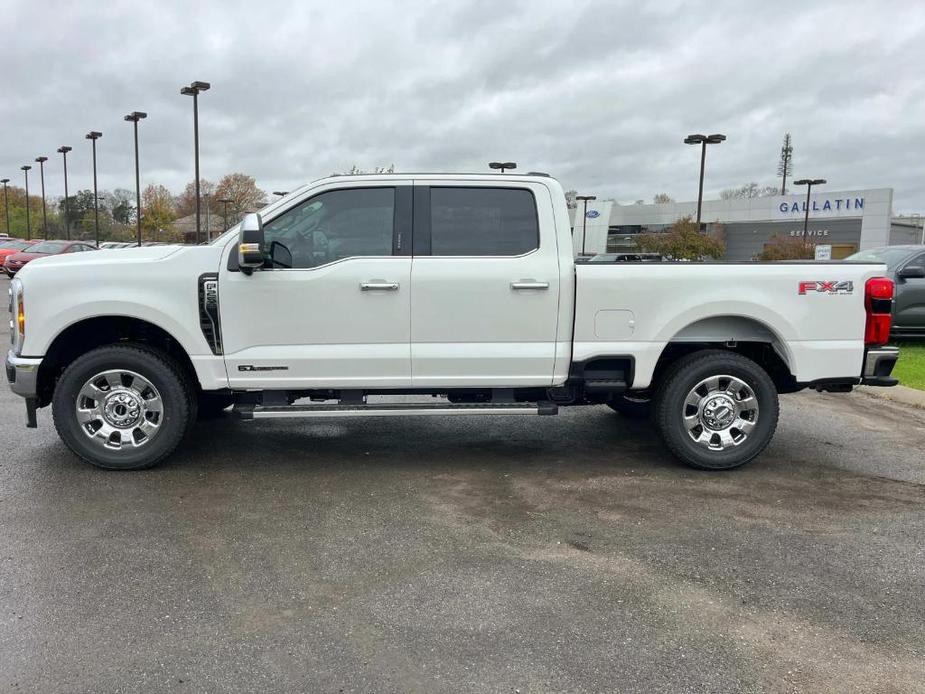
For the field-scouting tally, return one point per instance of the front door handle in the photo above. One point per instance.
(378, 286)
(529, 284)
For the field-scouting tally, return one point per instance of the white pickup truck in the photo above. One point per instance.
(462, 287)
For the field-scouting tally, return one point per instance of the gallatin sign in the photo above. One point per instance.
(823, 205)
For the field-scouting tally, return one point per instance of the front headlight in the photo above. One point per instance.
(17, 316)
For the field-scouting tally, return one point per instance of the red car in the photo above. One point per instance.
(14, 263)
(9, 246)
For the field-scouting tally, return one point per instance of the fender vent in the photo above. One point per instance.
(208, 312)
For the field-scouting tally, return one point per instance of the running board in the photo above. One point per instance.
(394, 410)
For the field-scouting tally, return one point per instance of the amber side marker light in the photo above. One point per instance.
(21, 317)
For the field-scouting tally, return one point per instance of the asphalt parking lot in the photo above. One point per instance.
(485, 555)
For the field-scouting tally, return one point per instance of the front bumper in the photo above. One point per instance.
(878, 365)
(22, 373)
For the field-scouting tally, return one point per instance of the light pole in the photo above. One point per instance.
(63, 150)
(225, 202)
(41, 161)
(25, 169)
(584, 217)
(703, 141)
(809, 183)
(502, 165)
(93, 136)
(193, 91)
(133, 118)
(6, 203)
(281, 193)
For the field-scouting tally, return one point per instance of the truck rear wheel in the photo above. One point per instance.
(716, 410)
(123, 407)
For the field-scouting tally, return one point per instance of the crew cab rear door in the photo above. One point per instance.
(339, 315)
(484, 284)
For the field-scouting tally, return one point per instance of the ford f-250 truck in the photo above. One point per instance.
(458, 286)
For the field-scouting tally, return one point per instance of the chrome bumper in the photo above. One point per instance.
(22, 373)
(878, 365)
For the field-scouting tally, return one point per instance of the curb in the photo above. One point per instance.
(898, 394)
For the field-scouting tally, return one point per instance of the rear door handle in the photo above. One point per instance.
(529, 284)
(378, 286)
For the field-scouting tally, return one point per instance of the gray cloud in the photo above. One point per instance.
(600, 94)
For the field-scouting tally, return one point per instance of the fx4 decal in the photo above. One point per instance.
(824, 287)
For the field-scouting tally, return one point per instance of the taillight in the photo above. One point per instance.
(878, 302)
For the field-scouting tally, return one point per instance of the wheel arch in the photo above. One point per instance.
(89, 333)
(746, 335)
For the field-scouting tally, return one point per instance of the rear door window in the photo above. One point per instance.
(474, 221)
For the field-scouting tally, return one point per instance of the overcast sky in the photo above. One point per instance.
(599, 94)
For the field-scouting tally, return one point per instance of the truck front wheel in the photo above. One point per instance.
(123, 407)
(716, 410)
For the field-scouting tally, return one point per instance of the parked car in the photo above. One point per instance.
(9, 246)
(15, 262)
(312, 299)
(906, 265)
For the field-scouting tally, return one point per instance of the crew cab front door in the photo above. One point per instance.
(331, 306)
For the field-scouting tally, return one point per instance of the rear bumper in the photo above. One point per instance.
(878, 365)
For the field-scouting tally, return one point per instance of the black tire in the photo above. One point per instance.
(213, 405)
(678, 383)
(178, 405)
(631, 405)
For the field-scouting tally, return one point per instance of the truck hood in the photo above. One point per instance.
(107, 256)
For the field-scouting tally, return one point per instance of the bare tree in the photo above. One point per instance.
(749, 190)
(662, 198)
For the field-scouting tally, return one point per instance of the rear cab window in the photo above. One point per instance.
(472, 221)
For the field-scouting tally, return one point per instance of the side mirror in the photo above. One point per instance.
(912, 272)
(250, 243)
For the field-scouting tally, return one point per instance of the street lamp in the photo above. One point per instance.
(193, 91)
(809, 183)
(25, 170)
(133, 118)
(502, 165)
(41, 161)
(584, 217)
(225, 202)
(6, 203)
(281, 193)
(703, 141)
(63, 150)
(93, 136)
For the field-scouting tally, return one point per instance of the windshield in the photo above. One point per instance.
(48, 247)
(891, 256)
(13, 245)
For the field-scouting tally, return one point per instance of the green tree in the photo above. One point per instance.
(683, 241)
(157, 212)
(122, 205)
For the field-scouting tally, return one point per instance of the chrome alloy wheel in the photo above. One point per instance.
(119, 409)
(720, 411)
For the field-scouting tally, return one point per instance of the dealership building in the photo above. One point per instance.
(847, 221)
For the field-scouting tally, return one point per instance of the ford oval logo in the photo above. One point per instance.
(591, 214)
